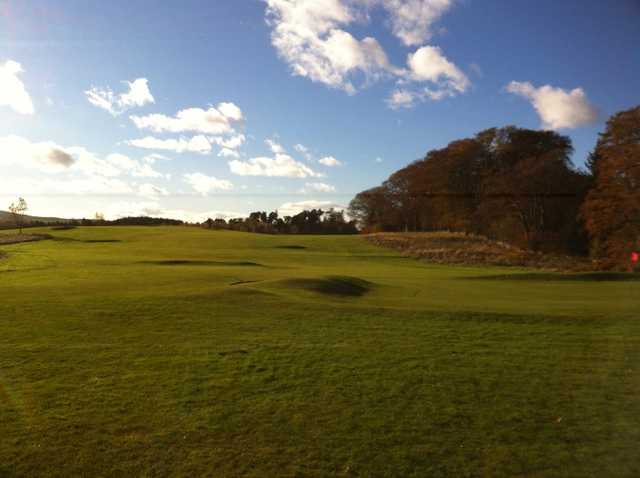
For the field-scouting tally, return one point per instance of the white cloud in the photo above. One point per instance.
(215, 121)
(76, 170)
(137, 95)
(275, 148)
(12, 91)
(402, 98)
(197, 144)
(428, 63)
(282, 165)
(151, 191)
(307, 36)
(317, 188)
(137, 169)
(79, 185)
(293, 208)
(379, 160)
(329, 161)
(155, 157)
(233, 142)
(204, 184)
(310, 36)
(556, 107)
(412, 20)
(228, 153)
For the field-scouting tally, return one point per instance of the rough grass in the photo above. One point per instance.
(6, 239)
(468, 249)
(588, 277)
(114, 366)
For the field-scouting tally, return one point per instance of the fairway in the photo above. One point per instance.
(155, 351)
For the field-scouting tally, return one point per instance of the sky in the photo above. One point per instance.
(216, 108)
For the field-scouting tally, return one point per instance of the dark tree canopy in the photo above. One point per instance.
(512, 184)
(612, 207)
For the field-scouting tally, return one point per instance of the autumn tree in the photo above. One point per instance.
(612, 207)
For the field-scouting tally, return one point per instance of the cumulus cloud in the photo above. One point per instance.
(293, 208)
(329, 161)
(412, 20)
(282, 165)
(307, 35)
(138, 94)
(197, 144)
(318, 188)
(428, 64)
(556, 107)
(12, 90)
(214, 120)
(311, 37)
(45, 156)
(76, 170)
(203, 184)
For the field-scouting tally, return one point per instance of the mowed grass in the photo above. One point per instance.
(185, 352)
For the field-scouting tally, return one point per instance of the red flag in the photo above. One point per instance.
(635, 257)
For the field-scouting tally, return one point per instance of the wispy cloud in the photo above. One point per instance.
(138, 94)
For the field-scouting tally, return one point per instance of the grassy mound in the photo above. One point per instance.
(343, 286)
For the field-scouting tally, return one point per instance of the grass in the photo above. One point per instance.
(183, 352)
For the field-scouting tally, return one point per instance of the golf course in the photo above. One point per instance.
(181, 351)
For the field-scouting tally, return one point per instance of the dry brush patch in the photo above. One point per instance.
(18, 238)
(468, 249)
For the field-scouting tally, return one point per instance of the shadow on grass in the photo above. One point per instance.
(62, 228)
(343, 286)
(293, 247)
(86, 241)
(559, 277)
(180, 262)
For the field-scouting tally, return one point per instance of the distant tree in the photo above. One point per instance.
(18, 210)
(612, 207)
(99, 217)
(209, 223)
(219, 223)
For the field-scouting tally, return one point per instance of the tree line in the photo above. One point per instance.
(313, 221)
(520, 186)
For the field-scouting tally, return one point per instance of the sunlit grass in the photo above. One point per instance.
(178, 351)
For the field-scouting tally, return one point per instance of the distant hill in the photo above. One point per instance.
(5, 217)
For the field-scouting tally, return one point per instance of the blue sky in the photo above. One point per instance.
(365, 86)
